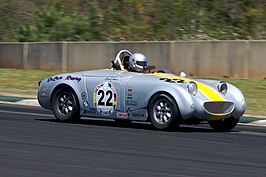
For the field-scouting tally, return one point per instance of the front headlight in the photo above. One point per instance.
(222, 87)
(192, 88)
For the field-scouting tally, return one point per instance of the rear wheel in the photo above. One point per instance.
(65, 105)
(224, 125)
(163, 111)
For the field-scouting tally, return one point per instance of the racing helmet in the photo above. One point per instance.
(137, 62)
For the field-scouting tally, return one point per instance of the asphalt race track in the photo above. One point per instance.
(34, 144)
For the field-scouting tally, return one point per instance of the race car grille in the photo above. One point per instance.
(219, 107)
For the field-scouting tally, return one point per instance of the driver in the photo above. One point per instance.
(137, 63)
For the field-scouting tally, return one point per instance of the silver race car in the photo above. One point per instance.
(144, 94)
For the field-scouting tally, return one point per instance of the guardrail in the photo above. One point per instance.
(243, 59)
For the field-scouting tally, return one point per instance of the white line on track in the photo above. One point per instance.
(26, 113)
(250, 133)
(19, 103)
(253, 124)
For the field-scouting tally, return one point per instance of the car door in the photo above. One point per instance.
(104, 94)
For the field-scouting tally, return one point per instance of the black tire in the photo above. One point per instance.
(163, 112)
(223, 125)
(65, 105)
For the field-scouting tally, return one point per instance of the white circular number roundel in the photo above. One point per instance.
(105, 98)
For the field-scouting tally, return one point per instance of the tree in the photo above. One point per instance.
(56, 24)
(79, 20)
(95, 23)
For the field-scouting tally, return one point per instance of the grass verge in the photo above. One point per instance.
(25, 83)
(21, 82)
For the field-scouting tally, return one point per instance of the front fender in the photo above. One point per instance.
(234, 94)
(182, 98)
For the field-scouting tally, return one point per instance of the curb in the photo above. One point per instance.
(29, 102)
(19, 100)
(246, 119)
(254, 121)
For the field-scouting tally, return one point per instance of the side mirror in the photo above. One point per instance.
(183, 74)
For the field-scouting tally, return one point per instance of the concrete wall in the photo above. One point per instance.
(213, 58)
(257, 59)
(11, 55)
(84, 56)
(44, 56)
(199, 58)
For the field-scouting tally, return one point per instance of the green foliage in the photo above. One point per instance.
(28, 33)
(94, 23)
(55, 24)
(92, 20)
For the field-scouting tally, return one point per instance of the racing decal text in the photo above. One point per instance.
(138, 115)
(85, 111)
(131, 103)
(69, 77)
(122, 115)
(56, 78)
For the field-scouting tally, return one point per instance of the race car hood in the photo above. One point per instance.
(208, 91)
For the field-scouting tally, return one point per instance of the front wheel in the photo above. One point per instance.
(224, 125)
(65, 105)
(163, 112)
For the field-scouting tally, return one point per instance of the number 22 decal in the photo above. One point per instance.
(102, 94)
(105, 98)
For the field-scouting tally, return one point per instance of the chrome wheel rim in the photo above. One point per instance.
(65, 103)
(162, 111)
